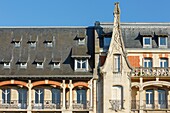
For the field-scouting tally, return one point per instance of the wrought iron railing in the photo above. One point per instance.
(148, 104)
(13, 104)
(81, 105)
(154, 71)
(46, 104)
(116, 104)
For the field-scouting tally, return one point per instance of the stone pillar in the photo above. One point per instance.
(91, 93)
(94, 104)
(155, 99)
(71, 95)
(29, 108)
(141, 104)
(64, 94)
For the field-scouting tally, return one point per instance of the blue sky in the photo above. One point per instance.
(80, 12)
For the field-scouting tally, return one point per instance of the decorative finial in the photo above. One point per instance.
(117, 9)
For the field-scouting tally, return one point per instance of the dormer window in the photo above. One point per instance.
(81, 64)
(17, 43)
(23, 65)
(48, 43)
(56, 64)
(7, 65)
(39, 65)
(32, 43)
(147, 42)
(81, 41)
(162, 42)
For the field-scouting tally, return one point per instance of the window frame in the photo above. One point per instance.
(80, 61)
(81, 41)
(147, 45)
(117, 63)
(23, 66)
(163, 61)
(7, 65)
(148, 60)
(39, 66)
(159, 40)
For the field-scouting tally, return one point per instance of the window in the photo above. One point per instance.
(23, 65)
(163, 62)
(7, 65)
(39, 64)
(162, 41)
(147, 42)
(81, 64)
(39, 96)
(32, 44)
(117, 66)
(17, 43)
(81, 41)
(56, 96)
(149, 98)
(117, 98)
(49, 44)
(21, 98)
(56, 64)
(107, 41)
(6, 95)
(148, 62)
(162, 100)
(81, 96)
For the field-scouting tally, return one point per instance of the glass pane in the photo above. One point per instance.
(161, 96)
(78, 65)
(162, 41)
(147, 41)
(161, 64)
(81, 96)
(166, 64)
(147, 98)
(22, 94)
(56, 94)
(107, 42)
(84, 64)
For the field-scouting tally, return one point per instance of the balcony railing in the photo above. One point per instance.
(116, 104)
(81, 105)
(154, 71)
(156, 104)
(13, 104)
(46, 104)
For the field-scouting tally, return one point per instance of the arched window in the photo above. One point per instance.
(81, 96)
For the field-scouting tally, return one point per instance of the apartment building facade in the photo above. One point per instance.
(133, 65)
(47, 70)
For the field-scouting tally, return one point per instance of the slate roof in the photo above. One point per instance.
(133, 33)
(63, 40)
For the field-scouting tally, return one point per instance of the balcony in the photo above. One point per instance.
(13, 104)
(116, 104)
(46, 104)
(150, 72)
(81, 105)
(151, 105)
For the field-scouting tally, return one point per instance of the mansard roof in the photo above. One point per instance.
(133, 33)
(63, 40)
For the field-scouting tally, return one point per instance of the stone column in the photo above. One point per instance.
(141, 104)
(64, 95)
(71, 95)
(94, 104)
(91, 93)
(29, 108)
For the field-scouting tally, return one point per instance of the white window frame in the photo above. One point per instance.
(49, 44)
(147, 60)
(117, 63)
(7, 65)
(81, 41)
(56, 64)
(163, 61)
(32, 44)
(81, 61)
(40, 65)
(23, 65)
(160, 42)
(17, 44)
(147, 45)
